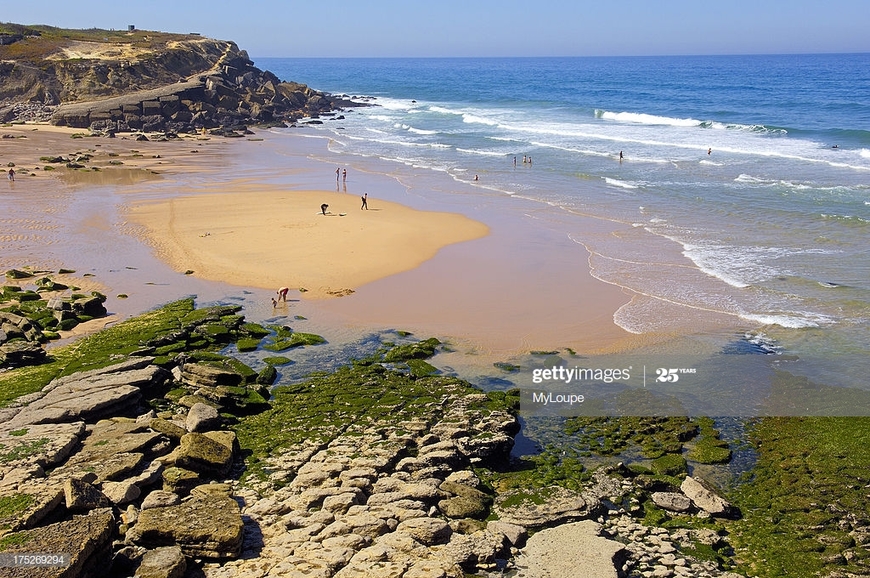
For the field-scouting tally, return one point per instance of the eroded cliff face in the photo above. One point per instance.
(54, 71)
(91, 72)
(143, 81)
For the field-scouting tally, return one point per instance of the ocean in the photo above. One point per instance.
(744, 181)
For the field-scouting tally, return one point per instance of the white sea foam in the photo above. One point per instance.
(420, 130)
(641, 118)
(482, 152)
(476, 119)
(382, 117)
(444, 110)
(792, 320)
(620, 184)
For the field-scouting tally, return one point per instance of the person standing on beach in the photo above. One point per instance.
(11, 175)
(365, 202)
(620, 156)
(337, 172)
(344, 175)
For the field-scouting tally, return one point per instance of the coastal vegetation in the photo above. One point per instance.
(800, 508)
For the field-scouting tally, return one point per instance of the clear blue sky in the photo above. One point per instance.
(481, 27)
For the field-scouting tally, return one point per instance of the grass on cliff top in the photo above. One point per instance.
(41, 41)
(111, 345)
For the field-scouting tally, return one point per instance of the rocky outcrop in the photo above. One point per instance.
(150, 82)
(389, 487)
(33, 316)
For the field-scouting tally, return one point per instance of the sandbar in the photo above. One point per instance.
(266, 238)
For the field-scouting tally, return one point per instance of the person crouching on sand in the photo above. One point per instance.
(323, 208)
(282, 294)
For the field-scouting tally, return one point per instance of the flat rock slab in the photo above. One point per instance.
(571, 551)
(90, 398)
(43, 444)
(547, 507)
(28, 503)
(208, 526)
(87, 540)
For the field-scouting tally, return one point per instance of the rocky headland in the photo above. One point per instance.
(110, 81)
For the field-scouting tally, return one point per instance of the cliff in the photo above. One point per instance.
(142, 80)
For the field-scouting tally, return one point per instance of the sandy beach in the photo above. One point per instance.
(270, 238)
(161, 220)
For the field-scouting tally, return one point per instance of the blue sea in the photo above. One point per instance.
(744, 180)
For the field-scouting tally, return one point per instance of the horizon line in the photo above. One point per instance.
(527, 57)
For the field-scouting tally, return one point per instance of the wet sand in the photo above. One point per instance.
(433, 269)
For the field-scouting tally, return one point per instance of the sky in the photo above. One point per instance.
(451, 28)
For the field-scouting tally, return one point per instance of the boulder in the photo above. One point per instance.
(91, 396)
(21, 353)
(427, 531)
(201, 374)
(516, 535)
(202, 417)
(546, 507)
(201, 453)
(705, 497)
(35, 500)
(472, 550)
(672, 501)
(81, 496)
(43, 444)
(165, 562)
(122, 492)
(160, 499)
(206, 526)
(168, 428)
(462, 507)
(179, 480)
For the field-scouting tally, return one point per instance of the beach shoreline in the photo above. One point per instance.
(495, 282)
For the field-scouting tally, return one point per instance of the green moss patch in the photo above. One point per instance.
(807, 493)
(420, 350)
(355, 397)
